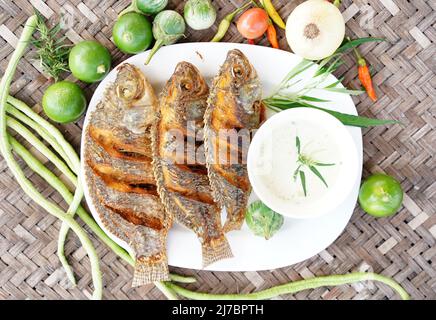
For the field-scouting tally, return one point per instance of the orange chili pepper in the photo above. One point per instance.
(271, 34)
(365, 76)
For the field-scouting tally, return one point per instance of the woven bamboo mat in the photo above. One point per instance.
(402, 247)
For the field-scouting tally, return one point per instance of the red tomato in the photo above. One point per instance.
(253, 23)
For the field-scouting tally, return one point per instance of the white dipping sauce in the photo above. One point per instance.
(278, 172)
(273, 161)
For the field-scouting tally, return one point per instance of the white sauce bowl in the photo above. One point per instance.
(273, 160)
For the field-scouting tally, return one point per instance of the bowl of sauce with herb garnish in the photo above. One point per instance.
(302, 163)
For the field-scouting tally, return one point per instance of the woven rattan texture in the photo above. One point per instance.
(402, 246)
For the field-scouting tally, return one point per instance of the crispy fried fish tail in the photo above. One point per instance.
(150, 269)
(215, 250)
(151, 261)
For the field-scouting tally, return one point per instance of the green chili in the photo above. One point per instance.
(225, 23)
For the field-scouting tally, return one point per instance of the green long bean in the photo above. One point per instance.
(66, 146)
(44, 134)
(41, 147)
(30, 137)
(63, 232)
(182, 279)
(37, 123)
(51, 178)
(68, 152)
(293, 287)
(60, 187)
(26, 184)
(30, 190)
(56, 140)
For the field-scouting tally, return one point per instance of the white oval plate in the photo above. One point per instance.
(297, 240)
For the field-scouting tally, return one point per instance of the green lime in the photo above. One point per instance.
(132, 33)
(89, 61)
(64, 102)
(380, 195)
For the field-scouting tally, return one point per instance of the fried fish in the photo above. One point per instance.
(121, 122)
(178, 160)
(119, 172)
(234, 109)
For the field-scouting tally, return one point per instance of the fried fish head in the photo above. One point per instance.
(185, 97)
(237, 75)
(132, 88)
(134, 96)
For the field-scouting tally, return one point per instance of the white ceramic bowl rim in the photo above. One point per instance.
(337, 192)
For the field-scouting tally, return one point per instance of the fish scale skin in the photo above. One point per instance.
(233, 104)
(136, 170)
(186, 193)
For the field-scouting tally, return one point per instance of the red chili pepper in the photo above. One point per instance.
(365, 76)
(271, 34)
(251, 41)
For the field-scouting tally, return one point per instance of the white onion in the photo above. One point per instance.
(315, 29)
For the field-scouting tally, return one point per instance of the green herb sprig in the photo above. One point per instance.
(283, 97)
(304, 161)
(52, 52)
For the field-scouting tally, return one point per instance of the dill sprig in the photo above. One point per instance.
(52, 52)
